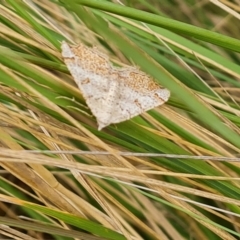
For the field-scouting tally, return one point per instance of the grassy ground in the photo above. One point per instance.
(189, 47)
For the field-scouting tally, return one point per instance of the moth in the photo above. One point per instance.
(112, 94)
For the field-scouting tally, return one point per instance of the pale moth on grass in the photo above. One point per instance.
(113, 94)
